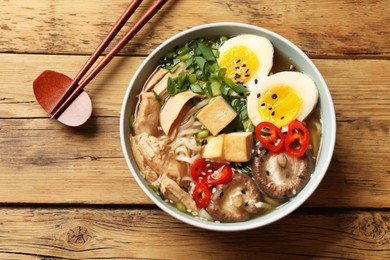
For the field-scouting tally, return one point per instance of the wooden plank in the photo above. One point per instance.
(18, 72)
(322, 28)
(86, 166)
(354, 84)
(53, 163)
(147, 234)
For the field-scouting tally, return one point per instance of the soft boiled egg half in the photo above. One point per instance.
(281, 98)
(247, 58)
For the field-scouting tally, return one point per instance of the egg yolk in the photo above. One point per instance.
(241, 63)
(279, 105)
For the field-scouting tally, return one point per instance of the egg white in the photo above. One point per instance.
(302, 84)
(262, 48)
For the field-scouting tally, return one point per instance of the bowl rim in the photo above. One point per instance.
(276, 214)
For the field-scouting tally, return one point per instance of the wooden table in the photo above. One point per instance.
(67, 192)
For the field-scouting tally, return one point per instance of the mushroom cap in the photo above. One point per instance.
(281, 176)
(235, 201)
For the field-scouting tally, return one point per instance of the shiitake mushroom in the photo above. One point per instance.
(236, 200)
(281, 176)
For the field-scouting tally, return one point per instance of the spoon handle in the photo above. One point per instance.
(77, 88)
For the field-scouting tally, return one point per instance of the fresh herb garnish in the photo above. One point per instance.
(178, 84)
(204, 76)
(242, 121)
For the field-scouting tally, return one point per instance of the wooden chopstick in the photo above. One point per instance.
(68, 98)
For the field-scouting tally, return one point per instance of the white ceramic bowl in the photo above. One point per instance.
(283, 46)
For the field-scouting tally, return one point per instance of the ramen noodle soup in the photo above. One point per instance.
(227, 129)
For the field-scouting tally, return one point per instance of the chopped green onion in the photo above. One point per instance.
(153, 188)
(180, 206)
(185, 57)
(206, 51)
(196, 88)
(171, 55)
(224, 89)
(240, 88)
(171, 87)
(215, 88)
(189, 63)
(201, 62)
(131, 120)
(229, 82)
(207, 89)
(173, 68)
(183, 50)
(157, 96)
(192, 78)
(202, 134)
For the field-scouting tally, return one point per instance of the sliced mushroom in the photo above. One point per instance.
(281, 176)
(174, 109)
(156, 78)
(235, 201)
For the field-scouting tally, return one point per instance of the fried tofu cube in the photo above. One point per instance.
(238, 146)
(217, 115)
(214, 147)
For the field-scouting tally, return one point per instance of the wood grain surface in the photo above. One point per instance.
(80, 233)
(66, 193)
(321, 28)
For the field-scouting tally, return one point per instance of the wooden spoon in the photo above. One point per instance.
(64, 98)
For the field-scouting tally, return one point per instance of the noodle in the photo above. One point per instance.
(185, 144)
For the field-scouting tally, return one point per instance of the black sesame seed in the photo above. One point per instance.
(246, 204)
(263, 104)
(301, 177)
(238, 61)
(221, 194)
(256, 81)
(243, 65)
(274, 96)
(255, 154)
(258, 95)
(237, 76)
(243, 192)
(267, 172)
(247, 75)
(237, 68)
(247, 71)
(282, 118)
(273, 113)
(270, 108)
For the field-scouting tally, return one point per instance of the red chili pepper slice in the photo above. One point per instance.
(222, 174)
(202, 194)
(297, 139)
(270, 137)
(197, 167)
